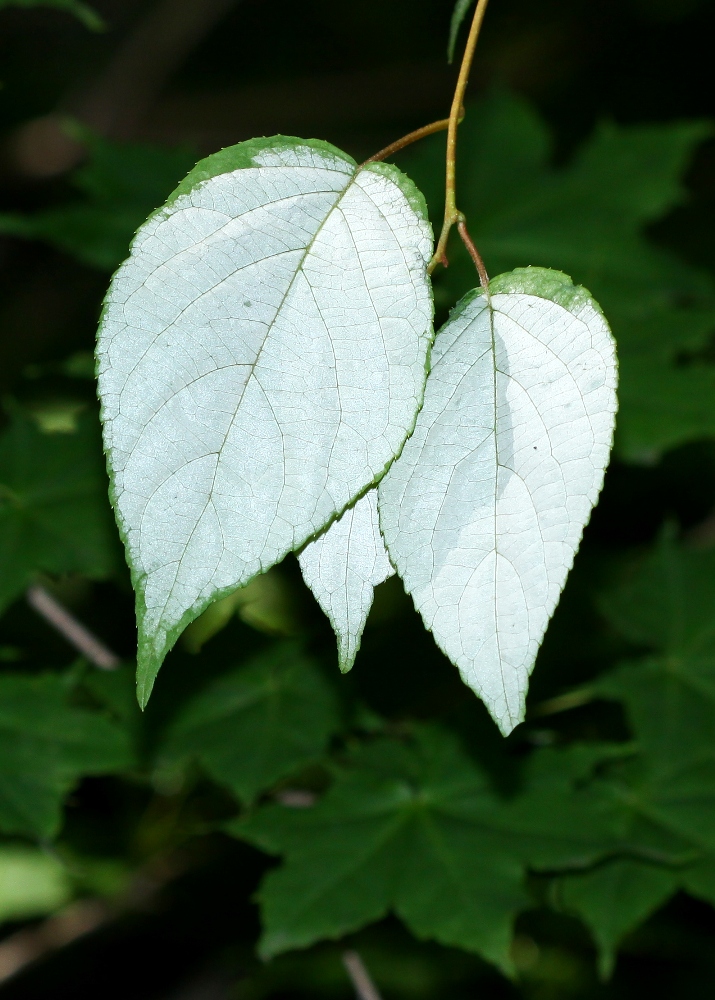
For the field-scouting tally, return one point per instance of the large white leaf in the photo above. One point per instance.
(262, 357)
(483, 512)
(342, 567)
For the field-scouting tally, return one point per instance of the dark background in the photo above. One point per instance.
(208, 73)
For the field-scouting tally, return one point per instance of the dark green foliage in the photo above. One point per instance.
(46, 745)
(613, 899)
(54, 512)
(415, 827)
(257, 723)
(118, 186)
(407, 826)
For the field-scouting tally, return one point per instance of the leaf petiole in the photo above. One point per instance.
(452, 215)
(407, 140)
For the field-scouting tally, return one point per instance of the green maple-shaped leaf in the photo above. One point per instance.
(54, 512)
(257, 723)
(416, 828)
(46, 746)
(663, 797)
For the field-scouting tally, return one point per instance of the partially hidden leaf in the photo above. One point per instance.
(662, 791)
(54, 513)
(46, 746)
(257, 723)
(342, 567)
(613, 899)
(483, 512)
(666, 603)
(262, 358)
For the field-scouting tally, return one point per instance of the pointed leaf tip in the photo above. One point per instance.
(342, 567)
(483, 512)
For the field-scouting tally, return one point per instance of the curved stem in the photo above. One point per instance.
(452, 216)
(474, 254)
(407, 140)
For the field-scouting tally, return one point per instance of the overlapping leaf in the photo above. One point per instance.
(483, 511)
(262, 359)
(614, 898)
(664, 796)
(342, 567)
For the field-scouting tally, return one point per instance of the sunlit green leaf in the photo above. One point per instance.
(32, 883)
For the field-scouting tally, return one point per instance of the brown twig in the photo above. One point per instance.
(85, 916)
(407, 140)
(363, 985)
(73, 922)
(78, 635)
(474, 254)
(452, 215)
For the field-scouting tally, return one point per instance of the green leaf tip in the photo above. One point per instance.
(242, 156)
(461, 8)
(546, 283)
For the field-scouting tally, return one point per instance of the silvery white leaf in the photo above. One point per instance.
(342, 567)
(262, 357)
(483, 512)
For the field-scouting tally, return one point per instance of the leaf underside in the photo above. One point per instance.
(483, 512)
(342, 567)
(262, 358)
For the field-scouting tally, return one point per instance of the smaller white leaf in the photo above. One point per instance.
(483, 512)
(342, 567)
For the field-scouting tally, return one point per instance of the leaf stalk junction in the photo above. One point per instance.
(452, 215)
